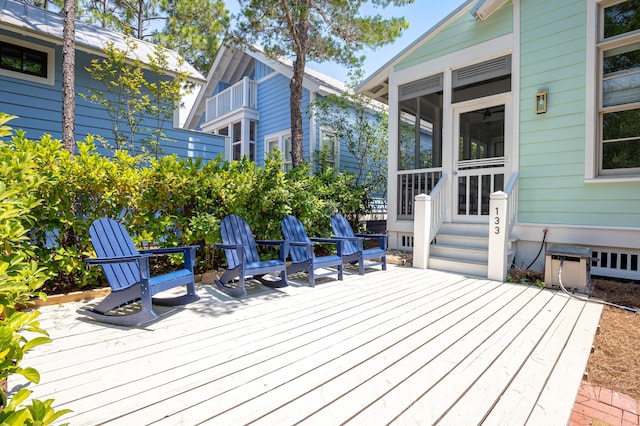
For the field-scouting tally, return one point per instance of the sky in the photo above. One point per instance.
(422, 15)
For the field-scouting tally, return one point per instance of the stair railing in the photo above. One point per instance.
(430, 212)
(502, 217)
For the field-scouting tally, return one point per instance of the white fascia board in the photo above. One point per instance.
(379, 76)
(485, 8)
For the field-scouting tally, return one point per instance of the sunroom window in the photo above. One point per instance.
(619, 109)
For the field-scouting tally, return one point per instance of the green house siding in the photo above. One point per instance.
(460, 34)
(552, 145)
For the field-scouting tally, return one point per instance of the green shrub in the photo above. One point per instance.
(21, 277)
(167, 201)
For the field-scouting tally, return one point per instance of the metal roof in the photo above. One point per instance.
(38, 22)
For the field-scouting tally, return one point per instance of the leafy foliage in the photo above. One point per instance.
(169, 201)
(130, 94)
(194, 29)
(313, 30)
(362, 125)
(21, 277)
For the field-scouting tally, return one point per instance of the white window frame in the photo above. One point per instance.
(336, 144)
(50, 79)
(594, 110)
(280, 139)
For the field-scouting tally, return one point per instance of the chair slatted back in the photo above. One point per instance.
(341, 228)
(109, 239)
(235, 230)
(293, 230)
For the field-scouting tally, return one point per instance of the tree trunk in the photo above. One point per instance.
(302, 38)
(68, 79)
(295, 86)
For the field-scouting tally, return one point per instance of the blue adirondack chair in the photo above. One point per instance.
(127, 271)
(353, 250)
(243, 260)
(301, 251)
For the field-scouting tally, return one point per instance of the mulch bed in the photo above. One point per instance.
(615, 361)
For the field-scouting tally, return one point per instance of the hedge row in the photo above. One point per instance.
(170, 201)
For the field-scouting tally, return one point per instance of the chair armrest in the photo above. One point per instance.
(371, 235)
(168, 250)
(299, 243)
(324, 240)
(383, 238)
(270, 242)
(284, 246)
(347, 238)
(229, 246)
(338, 242)
(115, 259)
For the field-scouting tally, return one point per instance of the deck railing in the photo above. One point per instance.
(502, 218)
(243, 94)
(430, 212)
(412, 183)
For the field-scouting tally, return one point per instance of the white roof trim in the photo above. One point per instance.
(38, 22)
(314, 81)
(381, 75)
(485, 8)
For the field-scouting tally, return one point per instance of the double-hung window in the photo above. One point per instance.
(619, 100)
(281, 142)
(329, 147)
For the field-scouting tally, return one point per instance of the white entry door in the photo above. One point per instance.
(481, 156)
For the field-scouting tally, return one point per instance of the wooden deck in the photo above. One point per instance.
(403, 346)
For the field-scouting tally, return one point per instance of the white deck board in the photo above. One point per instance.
(402, 346)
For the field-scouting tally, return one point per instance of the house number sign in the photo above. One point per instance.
(497, 225)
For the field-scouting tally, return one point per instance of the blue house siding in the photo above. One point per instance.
(39, 108)
(274, 111)
(261, 70)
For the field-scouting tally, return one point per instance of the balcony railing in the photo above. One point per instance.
(412, 183)
(243, 94)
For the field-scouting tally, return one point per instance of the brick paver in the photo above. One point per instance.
(597, 406)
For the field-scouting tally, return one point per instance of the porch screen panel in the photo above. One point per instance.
(419, 140)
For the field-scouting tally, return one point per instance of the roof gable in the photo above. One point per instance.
(232, 63)
(457, 30)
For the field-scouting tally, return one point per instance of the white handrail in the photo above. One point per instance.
(438, 207)
(430, 211)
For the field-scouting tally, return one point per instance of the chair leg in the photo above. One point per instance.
(361, 264)
(118, 298)
(227, 276)
(312, 276)
(123, 320)
(340, 271)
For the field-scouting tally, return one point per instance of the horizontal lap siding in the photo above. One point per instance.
(461, 33)
(552, 145)
(39, 108)
(275, 116)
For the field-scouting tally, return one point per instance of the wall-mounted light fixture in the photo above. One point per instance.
(541, 101)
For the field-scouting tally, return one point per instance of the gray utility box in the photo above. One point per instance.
(576, 267)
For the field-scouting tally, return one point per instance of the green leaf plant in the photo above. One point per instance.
(21, 277)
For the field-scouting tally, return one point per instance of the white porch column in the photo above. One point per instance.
(498, 236)
(421, 231)
(245, 92)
